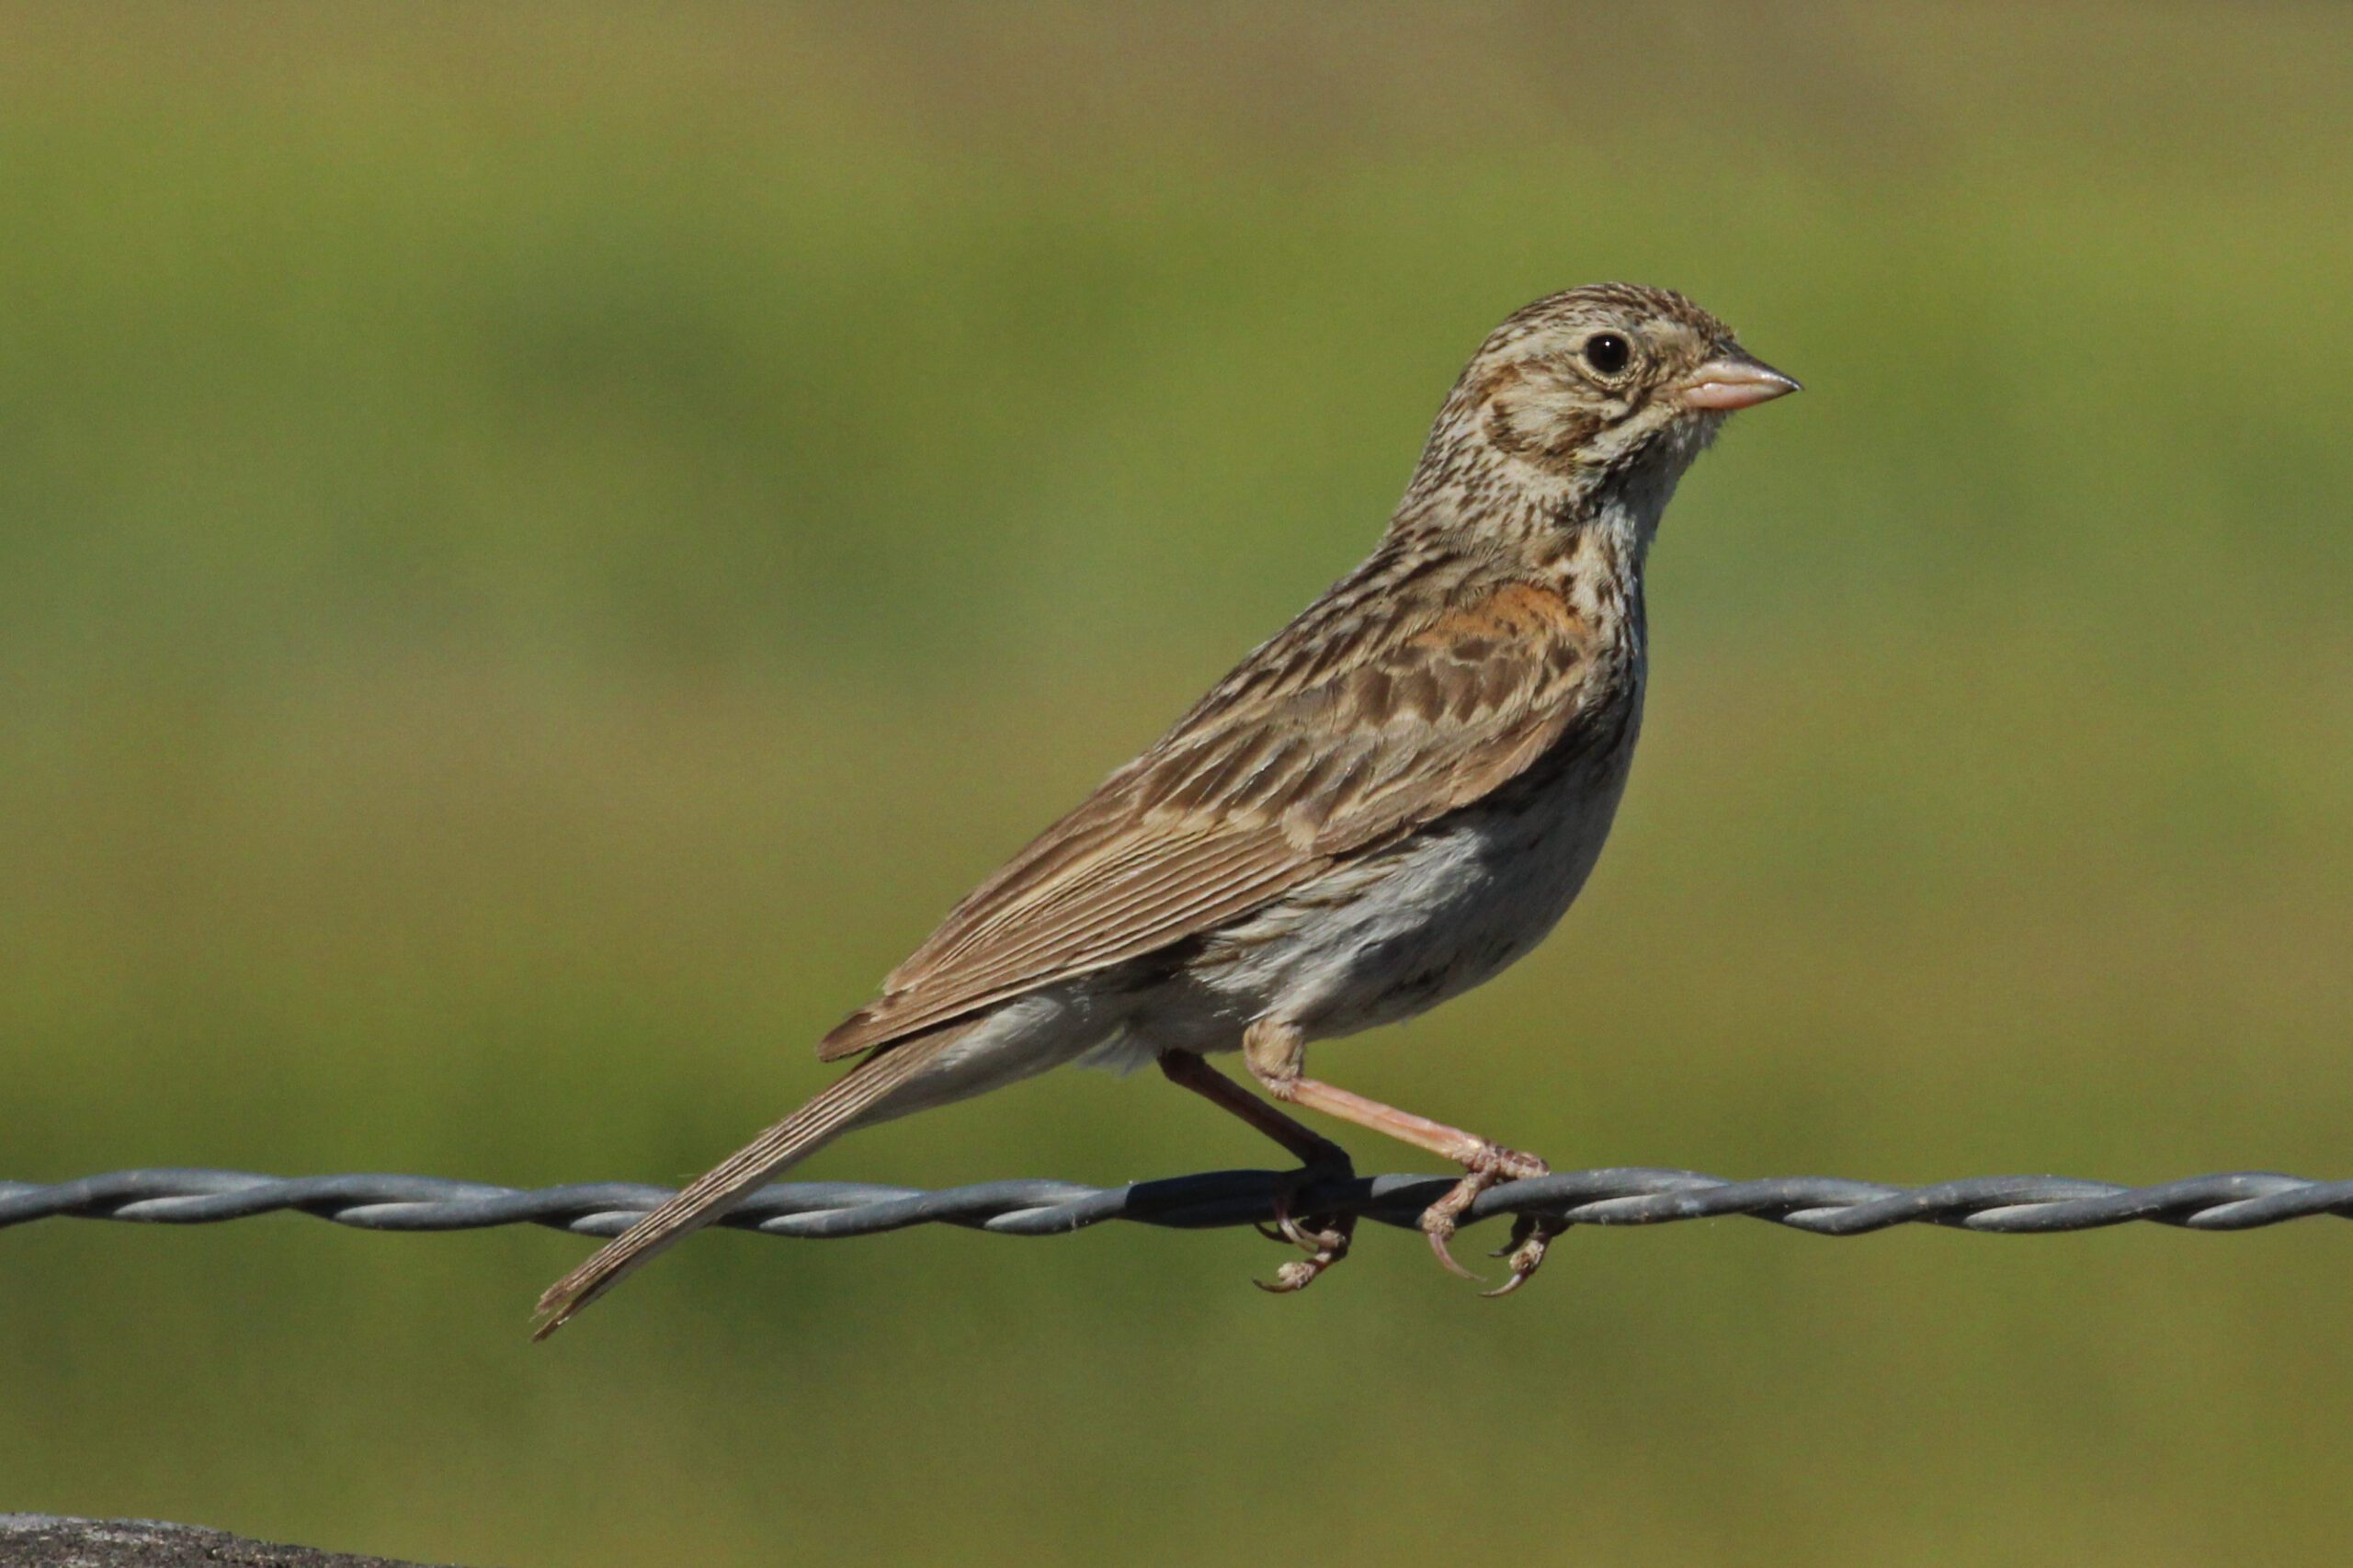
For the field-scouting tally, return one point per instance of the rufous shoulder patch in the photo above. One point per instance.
(1517, 612)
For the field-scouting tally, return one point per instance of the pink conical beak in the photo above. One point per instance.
(1734, 381)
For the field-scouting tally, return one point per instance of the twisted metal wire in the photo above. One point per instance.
(1828, 1206)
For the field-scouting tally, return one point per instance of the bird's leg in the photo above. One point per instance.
(1323, 1237)
(1310, 1147)
(1275, 1053)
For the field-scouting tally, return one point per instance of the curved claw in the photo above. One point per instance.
(1482, 1169)
(1523, 1230)
(1522, 1227)
(1532, 1236)
(1437, 1237)
(1325, 1238)
(1296, 1275)
(1323, 1249)
(1287, 1227)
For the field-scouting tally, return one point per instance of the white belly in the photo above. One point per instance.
(1387, 936)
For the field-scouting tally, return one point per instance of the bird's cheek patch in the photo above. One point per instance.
(1526, 422)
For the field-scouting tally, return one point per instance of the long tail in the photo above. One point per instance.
(803, 1132)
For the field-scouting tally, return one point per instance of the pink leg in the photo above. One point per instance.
(1326, 1242)
(1194, 1072)
(1275, 1053)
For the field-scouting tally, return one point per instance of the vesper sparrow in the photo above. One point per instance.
(1384, 806)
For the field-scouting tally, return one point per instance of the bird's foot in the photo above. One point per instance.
(1325, 1238)
(1486, 1167)
(1530, 1234)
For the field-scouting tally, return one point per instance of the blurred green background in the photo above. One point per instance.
(541, 548)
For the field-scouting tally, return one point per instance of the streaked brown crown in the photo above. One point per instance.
(1568, 395)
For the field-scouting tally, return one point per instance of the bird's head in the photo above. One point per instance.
(1607, 386)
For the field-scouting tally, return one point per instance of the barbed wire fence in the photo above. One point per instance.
(1829, 1206)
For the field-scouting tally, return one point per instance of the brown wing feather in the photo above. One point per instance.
(1352, 727)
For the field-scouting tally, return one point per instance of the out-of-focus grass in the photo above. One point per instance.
(537, 552)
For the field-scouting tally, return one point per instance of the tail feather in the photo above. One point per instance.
(711, 1195)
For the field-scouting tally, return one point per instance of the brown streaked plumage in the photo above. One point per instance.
(1383, 805)
(1347, 730)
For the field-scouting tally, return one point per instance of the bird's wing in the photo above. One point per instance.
(1355, 725)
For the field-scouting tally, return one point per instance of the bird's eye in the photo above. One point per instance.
(1607, 352)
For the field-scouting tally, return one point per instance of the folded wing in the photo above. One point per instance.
(1355, 726)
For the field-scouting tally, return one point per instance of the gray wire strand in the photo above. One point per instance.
(1826, 1206)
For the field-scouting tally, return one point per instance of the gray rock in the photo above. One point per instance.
(41, 1541)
